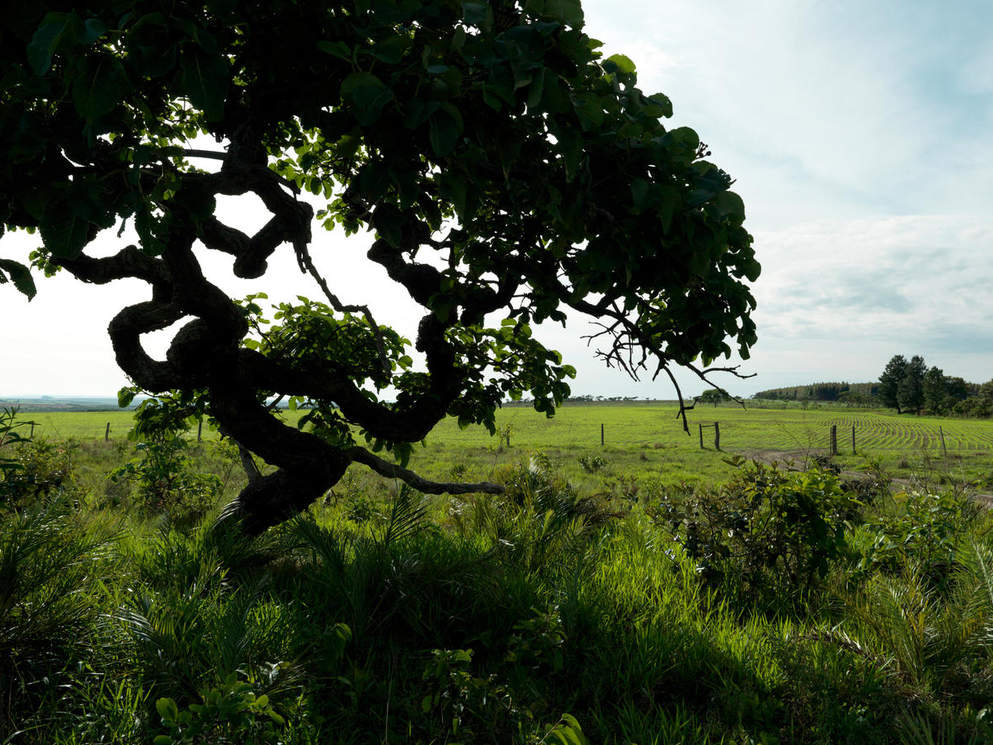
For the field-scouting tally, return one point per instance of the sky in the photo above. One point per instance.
(860, 136)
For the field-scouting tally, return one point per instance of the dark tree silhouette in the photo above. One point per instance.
(504, 167)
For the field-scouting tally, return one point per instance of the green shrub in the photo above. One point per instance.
(768, 534)
(31, 470)
(923, 528)
(163, 479)
(230, 713)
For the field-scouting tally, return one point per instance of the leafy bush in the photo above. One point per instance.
(162, 467)
(924, 528)
(768, 534)
(39, 469)
(30, 470)
(231, 713)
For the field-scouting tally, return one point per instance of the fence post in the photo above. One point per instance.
(106, 434)
(31, 436)
(601, 434)
(717, 436)
(701, 435)
(853, 439)
(834, 439)
(942, 434)
(199, 429)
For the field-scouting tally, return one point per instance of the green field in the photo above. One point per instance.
(646, 440)
(764, 607)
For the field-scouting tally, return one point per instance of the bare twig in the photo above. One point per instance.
(683, 408)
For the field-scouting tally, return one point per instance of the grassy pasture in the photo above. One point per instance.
(385, 617)
(645, 441)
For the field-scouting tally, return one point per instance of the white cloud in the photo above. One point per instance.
(868, 289)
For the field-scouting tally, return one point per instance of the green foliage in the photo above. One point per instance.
(859, 394)
(230, 713)
(483, 618)
(41, 468)
(713, 396)
(769, 534)
(912, 386)
(161, 468)
(591, 463)
(910, 389)
(889, 381)
(924, 530)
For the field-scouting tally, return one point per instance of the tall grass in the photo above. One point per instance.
(392, 617)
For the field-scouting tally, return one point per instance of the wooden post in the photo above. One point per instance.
(853, 439)
(701, 435)
(717, 436)
(834, 439)
(942, 435)
(31, 436)
(199, 430)
(106, 434)
(601, 434)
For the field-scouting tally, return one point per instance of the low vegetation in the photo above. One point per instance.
(774, 606)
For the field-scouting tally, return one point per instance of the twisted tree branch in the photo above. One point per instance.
(393, 471)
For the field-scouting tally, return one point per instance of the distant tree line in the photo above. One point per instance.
(856, 394)
(911, 386)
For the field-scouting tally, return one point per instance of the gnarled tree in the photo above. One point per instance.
(505, 169)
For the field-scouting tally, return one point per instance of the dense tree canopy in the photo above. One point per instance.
(889, 381)
(506, 171)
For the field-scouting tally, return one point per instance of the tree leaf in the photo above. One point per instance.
(338, 49)
(46, 41)
(567, 11)
(365, 95)
(443, 131)
(619, 63)
(730, 204)
(452, 187)
(477, 13)
(93, 29)
(205, 79)
(393, 49)
(589, 111)
(19, 275)
(662, 102)
(681, 143)
(99, 86)
(150, 48)
(64, 230)
(640, 194)
(125, 396)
